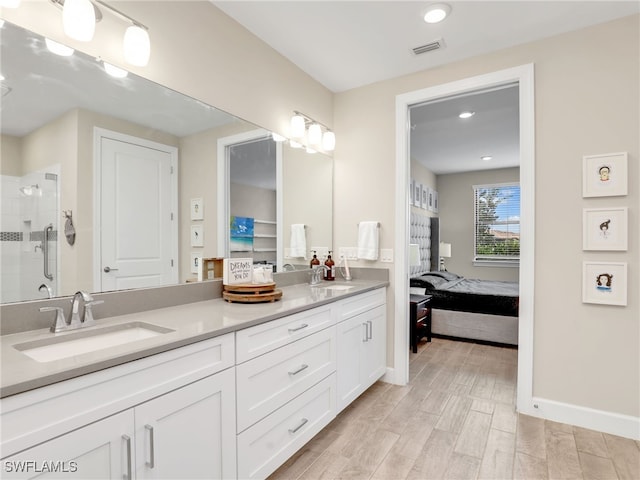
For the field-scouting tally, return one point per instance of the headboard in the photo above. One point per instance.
(425, 232)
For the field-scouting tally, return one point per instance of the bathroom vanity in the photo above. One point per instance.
(223, 391)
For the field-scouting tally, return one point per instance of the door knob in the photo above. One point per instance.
(109, 269)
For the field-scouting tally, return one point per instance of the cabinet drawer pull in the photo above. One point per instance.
(300, 425)
(370, 323)
(152, 454)
(299, 369)
(304, 325)
(127, 440)
(366, 333)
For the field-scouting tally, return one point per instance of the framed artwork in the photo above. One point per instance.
(197, 209)
(435, 202)
(412, 187)
(197, 236)
(430, 195)
(605, 228)
(424, 197)
(604, 175)
(195, 261)
(604, 283)
(417, 194)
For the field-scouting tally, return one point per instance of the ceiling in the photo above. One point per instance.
(349, 44)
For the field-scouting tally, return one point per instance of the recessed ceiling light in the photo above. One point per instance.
(467, 114)
(486, 158)
(58, 48)
(437, 12)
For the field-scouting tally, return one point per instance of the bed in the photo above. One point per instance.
(471, 309)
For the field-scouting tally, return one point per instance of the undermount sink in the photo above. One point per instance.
(337, 287)
(85, 341)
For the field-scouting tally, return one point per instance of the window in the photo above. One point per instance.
(497, 223)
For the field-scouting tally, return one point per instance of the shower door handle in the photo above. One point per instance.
(45, 250)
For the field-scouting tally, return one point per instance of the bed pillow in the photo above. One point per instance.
(448, 276)
(428, 281)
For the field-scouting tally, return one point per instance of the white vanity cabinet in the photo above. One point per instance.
(164, 416)
(361, 342)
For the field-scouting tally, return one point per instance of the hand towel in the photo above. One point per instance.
(298, 241)
(368, 240)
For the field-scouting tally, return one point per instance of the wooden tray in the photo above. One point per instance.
(252, 297)
(250, 288)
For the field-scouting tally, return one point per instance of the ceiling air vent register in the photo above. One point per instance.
(429, 47)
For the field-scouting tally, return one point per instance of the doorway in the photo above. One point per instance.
(524, 77)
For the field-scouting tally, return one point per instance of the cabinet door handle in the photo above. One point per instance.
(152, 454)
(370, 323)
(304, 325)
(299, 426)
(299, 369)
(127, 440)
(366, 333)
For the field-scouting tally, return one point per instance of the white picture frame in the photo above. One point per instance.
(195, 261)
(197, 236)
(424, 197)
(605, 175)
(604, 283)
(197, 209)
(430, 197)
(605, 228)
(412, 186)
(436, 207)
(417, 194)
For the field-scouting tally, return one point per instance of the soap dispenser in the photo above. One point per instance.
(314, 260)
(330, 271)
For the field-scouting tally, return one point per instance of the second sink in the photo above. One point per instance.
(64, 346)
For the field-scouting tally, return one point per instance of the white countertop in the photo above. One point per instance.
(190, 323)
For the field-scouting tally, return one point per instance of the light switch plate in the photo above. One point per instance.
(386, 255)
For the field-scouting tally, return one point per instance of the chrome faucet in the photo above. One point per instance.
(317, 274)
(48, 288)
(60, 324)
(287, 267)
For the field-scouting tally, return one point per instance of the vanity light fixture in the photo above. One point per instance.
(486, 158)
(467, 114)
(318, 134)
(114, 71)
(79, 18)
(58, 48)
(437, 12)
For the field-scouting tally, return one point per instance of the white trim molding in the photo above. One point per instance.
(602, 421)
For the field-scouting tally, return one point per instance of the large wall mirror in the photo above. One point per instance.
(111, 182)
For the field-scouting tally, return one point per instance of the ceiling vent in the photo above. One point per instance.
(429, 47)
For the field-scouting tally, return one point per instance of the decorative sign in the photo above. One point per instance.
(237, 271)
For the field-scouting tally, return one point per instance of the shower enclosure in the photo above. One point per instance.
(29, 229)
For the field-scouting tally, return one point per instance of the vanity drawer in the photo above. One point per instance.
(269, 443)
(352, 306)
(266, 383)
(268, 336)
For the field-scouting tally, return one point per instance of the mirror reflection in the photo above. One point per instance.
(114, 164)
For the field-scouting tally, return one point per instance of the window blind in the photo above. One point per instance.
(497, 222)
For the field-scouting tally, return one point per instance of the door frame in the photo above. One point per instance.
(98, 134)
(224, 144)
(524, 75)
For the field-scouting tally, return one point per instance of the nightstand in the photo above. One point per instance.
(419, 319)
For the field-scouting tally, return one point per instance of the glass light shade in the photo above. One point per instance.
(297, 126)
(58, 48)
(315, 134)
(277, 138)
(328, 141)
(445, 250)
(137, 46)
(10, 3)
(437, 12)
(79, 19)
(114, 71)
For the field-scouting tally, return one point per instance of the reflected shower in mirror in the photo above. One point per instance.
(128, 157)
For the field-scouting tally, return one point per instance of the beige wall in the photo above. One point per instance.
(587, 102)
(455, 192)
(10, 155)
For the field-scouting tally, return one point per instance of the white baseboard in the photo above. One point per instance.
(390, 377)
(600, 420)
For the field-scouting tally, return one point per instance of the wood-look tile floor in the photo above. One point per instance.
(456, 419)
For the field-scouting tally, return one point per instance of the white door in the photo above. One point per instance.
(138, 214)
(190, 432)
(101, 450)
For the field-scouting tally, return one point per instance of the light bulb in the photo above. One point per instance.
(58, 48)
(297, 126)
(137, 46)
(114, 71)
(79, 19)
(328, 141)
(315, 134)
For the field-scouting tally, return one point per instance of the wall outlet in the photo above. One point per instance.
(386, 255)
(350, 253)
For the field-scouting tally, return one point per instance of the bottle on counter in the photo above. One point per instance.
(330, 272)
(314, 260)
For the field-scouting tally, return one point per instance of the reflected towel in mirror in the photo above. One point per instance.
(298, 240)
